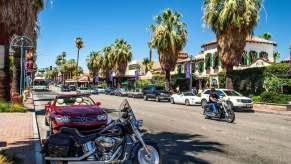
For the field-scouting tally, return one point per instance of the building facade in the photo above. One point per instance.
(206, 65)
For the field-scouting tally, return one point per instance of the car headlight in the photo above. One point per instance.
(102, 117)
(59, 118)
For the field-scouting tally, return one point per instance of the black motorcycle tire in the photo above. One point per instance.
(135, 159)
(56, 162)
(231, 117)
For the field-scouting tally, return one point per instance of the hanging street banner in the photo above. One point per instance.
(187, 71)
(96, 79)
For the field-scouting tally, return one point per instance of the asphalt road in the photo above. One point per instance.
(186, 137)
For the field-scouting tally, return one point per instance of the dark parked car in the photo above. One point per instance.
(109, 91)
(77, 111)
(65, 88)
(136, 93)
(121, 92)
(72, 88)
(155, 92)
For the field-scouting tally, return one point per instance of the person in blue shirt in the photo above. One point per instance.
(213, 99)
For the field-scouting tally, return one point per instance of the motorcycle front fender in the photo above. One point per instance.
(138, 145)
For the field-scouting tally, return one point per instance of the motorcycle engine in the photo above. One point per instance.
(107, 146)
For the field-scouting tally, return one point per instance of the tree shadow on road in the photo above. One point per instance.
(180, 148)
(21, 152)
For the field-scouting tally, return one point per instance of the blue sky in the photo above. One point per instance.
(100, 22)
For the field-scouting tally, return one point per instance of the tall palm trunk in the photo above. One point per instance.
(228, 78)
(77, 72)
(168, 81)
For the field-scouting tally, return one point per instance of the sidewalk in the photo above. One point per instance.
(17, 135)
(280, 110)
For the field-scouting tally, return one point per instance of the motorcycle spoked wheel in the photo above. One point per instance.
(143, 158)
(231, 116)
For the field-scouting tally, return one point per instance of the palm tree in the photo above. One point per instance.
(71, 67)
(108, 62)
(276, 55)
(266, 36)
(232, 21)
(79, 44)
(16, 18)
(60, 62)
(94, 63)
(148, 64)
(122, 55)
(169, 38)
(61, 59)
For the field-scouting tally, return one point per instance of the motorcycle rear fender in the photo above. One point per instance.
(138, 145)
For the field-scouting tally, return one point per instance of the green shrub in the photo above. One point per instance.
(9, 158)
(273, 97)
(7, 107)
(257, 98)
(4, 106)
(17, 108)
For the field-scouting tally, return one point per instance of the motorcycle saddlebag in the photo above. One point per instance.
(59, 145)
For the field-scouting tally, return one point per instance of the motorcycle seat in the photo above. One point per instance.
(77, 136)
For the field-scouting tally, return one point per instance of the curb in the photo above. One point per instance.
(265, 112)
(36, 138)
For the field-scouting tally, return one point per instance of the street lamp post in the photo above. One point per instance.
(22, 42)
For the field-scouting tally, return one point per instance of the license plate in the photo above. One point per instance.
(249, 105)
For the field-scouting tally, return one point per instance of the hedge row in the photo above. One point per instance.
(250, 81)
(272, 97)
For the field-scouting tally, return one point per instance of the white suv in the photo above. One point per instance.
(233, 98)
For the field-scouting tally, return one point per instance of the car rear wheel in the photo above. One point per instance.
(187, 102)
(158, 99)
(172, 101)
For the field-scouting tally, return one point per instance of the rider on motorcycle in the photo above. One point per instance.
(213, 99)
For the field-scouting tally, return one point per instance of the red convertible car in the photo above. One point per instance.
(78, 111)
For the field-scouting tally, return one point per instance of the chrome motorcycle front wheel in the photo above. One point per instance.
(151, 157)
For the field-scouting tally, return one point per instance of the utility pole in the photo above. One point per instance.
(190, 85)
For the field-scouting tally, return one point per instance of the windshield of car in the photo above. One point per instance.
(231, 93)
(83, 88)
(74, 100)
(39, 82)
(188, 94)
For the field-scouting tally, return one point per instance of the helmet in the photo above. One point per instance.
(212, 89)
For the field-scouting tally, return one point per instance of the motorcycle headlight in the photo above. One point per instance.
(101, 117)
(59, 118)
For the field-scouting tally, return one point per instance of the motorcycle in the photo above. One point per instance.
(120, 141)
(224, 112)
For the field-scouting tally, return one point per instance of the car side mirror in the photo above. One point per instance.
(48, 105)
